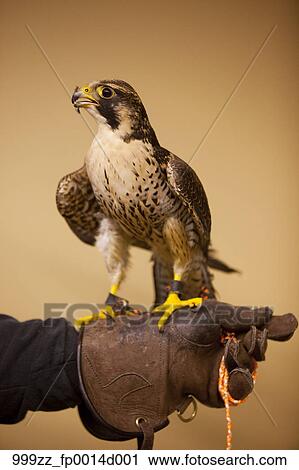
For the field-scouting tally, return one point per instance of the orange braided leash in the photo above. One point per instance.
(225, 395)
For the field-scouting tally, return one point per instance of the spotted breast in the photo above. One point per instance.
(130, 185)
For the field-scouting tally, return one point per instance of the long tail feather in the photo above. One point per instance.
(215, 263)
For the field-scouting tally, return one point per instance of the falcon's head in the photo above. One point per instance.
(116, 105)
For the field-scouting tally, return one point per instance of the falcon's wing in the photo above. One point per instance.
(76, 202)
(185, 183)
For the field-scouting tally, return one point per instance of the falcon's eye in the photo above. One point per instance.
(105, 92)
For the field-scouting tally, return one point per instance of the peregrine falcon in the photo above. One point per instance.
(132, 191)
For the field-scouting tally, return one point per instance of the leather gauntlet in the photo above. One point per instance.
(133, 376)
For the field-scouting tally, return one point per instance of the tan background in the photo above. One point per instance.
(184, 58)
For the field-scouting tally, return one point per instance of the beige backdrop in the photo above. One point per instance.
(184, 58)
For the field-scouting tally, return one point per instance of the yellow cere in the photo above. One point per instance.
(86, 89)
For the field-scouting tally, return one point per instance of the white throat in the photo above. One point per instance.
(109, 154)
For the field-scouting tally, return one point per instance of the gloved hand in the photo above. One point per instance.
(133, 376)
(239, 334)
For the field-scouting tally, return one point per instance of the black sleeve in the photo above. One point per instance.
(38, 369)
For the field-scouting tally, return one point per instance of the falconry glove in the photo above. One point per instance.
(133, 376)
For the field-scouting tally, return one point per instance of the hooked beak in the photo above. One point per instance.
(83, 100)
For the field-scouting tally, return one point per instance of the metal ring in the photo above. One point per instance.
(139, 420)
(193, 414)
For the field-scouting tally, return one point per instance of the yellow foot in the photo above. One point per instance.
(172, 303)
(108, 310)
